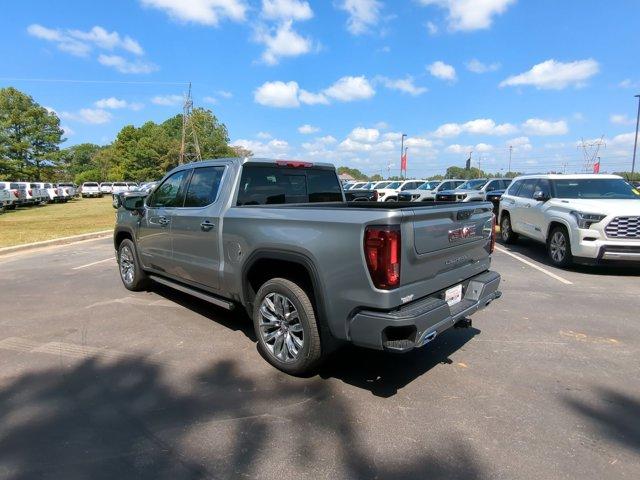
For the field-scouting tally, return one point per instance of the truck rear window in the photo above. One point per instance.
(268, 185)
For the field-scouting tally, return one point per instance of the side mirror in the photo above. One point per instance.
(131, 201)
(540, 196)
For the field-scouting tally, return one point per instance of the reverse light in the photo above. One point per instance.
(382, 252)
(585, 220)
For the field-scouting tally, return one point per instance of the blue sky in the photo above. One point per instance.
(340, 80)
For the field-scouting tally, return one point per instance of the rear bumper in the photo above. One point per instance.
(416, 324)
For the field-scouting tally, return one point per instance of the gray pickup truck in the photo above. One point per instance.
(312, 270)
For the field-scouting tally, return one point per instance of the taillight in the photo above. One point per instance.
(492, 244)
(375, 195)
(382, 251)
(31, 193)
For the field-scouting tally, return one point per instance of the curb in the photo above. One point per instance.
(56, 241)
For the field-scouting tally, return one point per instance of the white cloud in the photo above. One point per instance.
(114, 103)
(283, 42)
(623, 140)
(628, 83)
(264, 135)
(468, 15)
(80, 43)
(363, 14)
(309, 98)
(123, 65)
(405, 85)
(553, 75)
(480, 126)
(519, 143)
(366, 135)
(476, 66)
(418, 143)
(286, 9)
(68, 131)
(95, 116)
(224, 93)
(442, 71)
(538, 126)
(274, 148)
(432, 28)
(348, 89)
(307, 129)
(277, 94)
(459, 149)
(167, 100)
(206, 12)
(618, 119)
(483, 147)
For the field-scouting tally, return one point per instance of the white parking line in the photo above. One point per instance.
(93, 263)
(533, 265)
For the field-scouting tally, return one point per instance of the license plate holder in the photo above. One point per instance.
(453, 295)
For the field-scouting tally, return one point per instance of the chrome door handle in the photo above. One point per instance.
(164, 221)
(206, 225)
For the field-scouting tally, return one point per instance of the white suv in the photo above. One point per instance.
(389, 193)
(581, 218)
(428, 190)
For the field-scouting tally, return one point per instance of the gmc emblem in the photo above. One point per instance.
(461, 233)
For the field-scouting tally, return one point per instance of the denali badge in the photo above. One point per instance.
(460, 233)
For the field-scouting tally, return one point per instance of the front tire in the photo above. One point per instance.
(559, 247)
(286, 327)
(506, 230)
(132, 276)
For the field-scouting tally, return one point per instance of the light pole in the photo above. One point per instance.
(635, 143)
(510, 151)
(404, 135)
(406, 160)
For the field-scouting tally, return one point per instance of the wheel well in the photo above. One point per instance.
(553, 225)
(502, 215)
(120, 236)
(265, 269)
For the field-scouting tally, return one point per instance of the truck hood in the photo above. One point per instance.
(604, 207)
(455, 192)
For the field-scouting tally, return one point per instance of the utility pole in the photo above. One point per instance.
(510, 152)
(404, 135)
(635, 143)
(189, 147)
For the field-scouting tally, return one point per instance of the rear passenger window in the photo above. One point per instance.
(514, 188)
(203, 187)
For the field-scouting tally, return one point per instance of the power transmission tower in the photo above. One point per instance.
(189, 147)
(590, 152)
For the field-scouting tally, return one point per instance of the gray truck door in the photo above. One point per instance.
(154, 232)
(195, 229)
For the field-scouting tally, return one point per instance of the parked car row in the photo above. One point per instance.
(14, 194)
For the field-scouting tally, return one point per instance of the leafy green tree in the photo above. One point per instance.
(29, 135)
(354, 172)
(77, 159)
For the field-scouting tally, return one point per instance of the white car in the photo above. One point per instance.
(52, 191)
(473, 190)
(428, 190)
(90, 189)
(5, 198)
(119, 187)
(106, 187)
(17, 194)
(132, 186)
(71, 189)
(389, 193)
(33, 195)
(589, 218)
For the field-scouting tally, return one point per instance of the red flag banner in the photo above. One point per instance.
(403, 162)
(596, 167)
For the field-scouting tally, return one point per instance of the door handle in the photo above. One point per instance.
(164, 221)
(206, 225)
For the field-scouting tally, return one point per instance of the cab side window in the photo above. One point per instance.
(171, 192)
(514, 188)
(528, 187)
(203, 187)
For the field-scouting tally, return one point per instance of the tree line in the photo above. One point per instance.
(31, 138)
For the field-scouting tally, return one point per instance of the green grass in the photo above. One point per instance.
(34, 224)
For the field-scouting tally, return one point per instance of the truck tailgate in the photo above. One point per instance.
(445, 238)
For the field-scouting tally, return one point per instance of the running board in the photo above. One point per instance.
(192, 291)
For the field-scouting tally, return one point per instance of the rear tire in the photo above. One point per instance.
(286, 327)
(559, 247)
(132, 276)
(506, 230)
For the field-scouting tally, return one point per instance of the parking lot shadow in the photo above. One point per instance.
(385, 373)
(125, 419)
(618, 418)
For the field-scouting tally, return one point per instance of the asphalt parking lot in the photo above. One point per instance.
(99, 382)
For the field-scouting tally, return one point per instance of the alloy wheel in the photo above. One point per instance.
(281, 328)
(127, 265)
(558, 247)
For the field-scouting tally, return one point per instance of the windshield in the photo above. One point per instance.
(90, 184)
(393, 185)
(472, 185)
(428, 186)
(602, 188)
(119, 184)
(382, 184)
